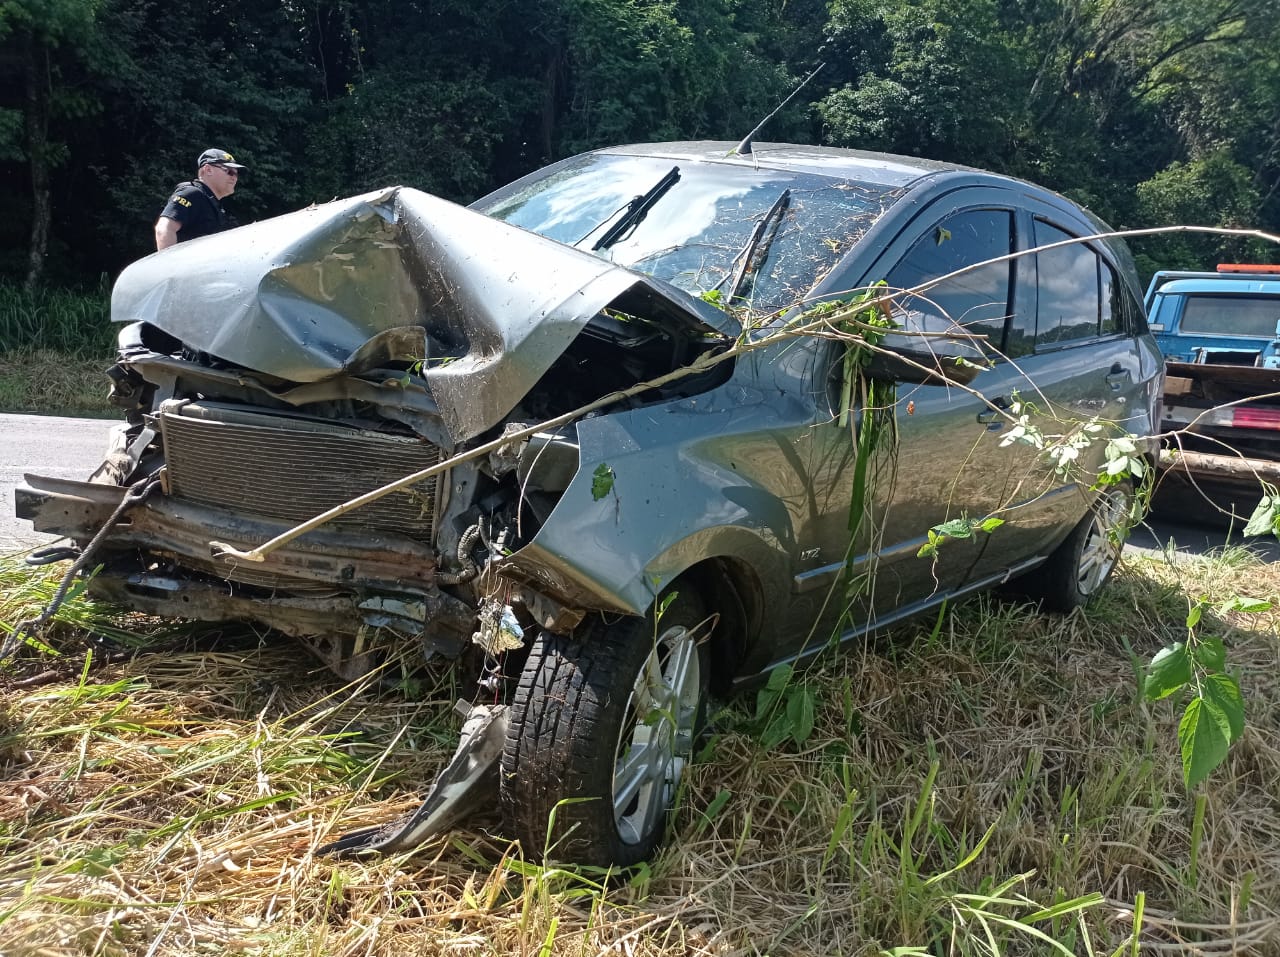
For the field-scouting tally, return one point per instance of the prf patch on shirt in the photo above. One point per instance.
(180, 201)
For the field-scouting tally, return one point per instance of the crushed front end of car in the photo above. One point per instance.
(275, 372)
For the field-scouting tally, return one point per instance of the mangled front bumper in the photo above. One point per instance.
(279, 370)
(330, 581)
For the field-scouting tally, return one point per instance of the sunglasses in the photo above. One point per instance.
(229, 170)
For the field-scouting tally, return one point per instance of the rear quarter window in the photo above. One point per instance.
(1114, 319)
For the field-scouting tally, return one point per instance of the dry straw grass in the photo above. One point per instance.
(170, 802)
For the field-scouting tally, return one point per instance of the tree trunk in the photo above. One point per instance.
(550, 97)
(35, 70)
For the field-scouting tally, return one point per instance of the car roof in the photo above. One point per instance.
(1223, 283)
(882, 169)
(890, 170)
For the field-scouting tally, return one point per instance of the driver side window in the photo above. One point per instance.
(978, 299)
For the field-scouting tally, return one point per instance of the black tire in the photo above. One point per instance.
(579, 734)
(1081, 565)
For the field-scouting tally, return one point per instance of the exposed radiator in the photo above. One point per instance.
(293, 469)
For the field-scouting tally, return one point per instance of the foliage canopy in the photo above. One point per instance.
(1150, 113)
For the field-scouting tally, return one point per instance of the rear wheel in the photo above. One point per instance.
(1081, 565)
(602, 725)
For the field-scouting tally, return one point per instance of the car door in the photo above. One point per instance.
(1072, 362)
(946, 472)
(928, 469)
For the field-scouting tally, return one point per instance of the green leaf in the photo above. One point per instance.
(1203, 735)
(641, 874)
(991, 523)
(666, 600)
(713, 296)
(601, 481)
(779, 730)
(779, 678)
(98, 861)
(769, 695)
(1244, 603)
(1083, 902)
(1210, 654)
(1266, 517)
(1193, 616)
(716, 805)
(1224, 692)
(956, 528)
(1170, 671)
(801, 713)
(943, 235)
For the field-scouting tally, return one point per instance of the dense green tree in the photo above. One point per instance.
(195, 75)
(932, 78)
(1222, 99)
(47, 48)
(1212, 190)
(1149, 113)
(416, 93)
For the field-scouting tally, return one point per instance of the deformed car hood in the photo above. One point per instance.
(391, 275)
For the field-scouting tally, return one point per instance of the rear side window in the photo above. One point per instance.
(1069, 299)
(978, 300)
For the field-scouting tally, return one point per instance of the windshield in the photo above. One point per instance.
(695, 231)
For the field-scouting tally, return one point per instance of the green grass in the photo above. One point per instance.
(72, 323)
(996, 784)
(54, 348)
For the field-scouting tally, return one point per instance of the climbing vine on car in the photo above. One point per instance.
(862, 322)
(785, 707)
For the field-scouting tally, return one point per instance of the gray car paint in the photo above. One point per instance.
(396, 274)
(753, 471)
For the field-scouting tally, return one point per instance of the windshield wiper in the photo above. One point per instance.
(636, 210)
(757, 245)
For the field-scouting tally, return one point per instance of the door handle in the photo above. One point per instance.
(1117, 377)
(991, 418)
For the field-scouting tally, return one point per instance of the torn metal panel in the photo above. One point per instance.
(176, 596)
(325, 558)
(393, 275)
(468, 782)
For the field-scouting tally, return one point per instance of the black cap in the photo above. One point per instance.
(218, 158)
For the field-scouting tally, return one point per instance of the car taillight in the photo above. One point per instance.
(1255, 417)
(1238, 416)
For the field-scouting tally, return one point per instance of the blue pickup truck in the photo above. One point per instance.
(1220, 335)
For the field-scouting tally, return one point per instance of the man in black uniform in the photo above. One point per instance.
(195, 208)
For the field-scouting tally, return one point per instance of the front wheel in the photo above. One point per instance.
(602, 724)
(1081, 565)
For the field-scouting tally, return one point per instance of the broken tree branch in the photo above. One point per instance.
(795, 328)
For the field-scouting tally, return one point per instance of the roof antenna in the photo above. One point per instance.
(744, 148)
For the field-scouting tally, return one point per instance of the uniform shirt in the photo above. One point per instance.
(194, 207)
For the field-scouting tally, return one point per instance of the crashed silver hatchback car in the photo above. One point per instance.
(633, 465)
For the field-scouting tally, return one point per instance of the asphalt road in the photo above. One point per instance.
(49, 445)
(72, 448)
